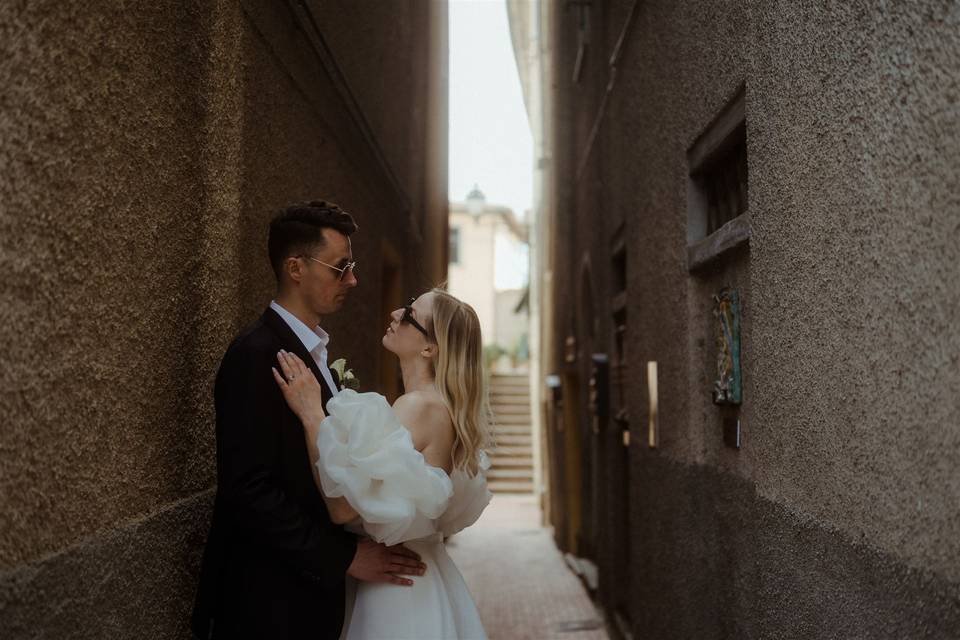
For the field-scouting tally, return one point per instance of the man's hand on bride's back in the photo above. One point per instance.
(300, 388)
(376, 562)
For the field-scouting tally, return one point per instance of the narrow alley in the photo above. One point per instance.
(704, 252)
(520, 582)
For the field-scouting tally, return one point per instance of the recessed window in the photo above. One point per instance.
(619, 303)
(718, 186)
(619, 268)
(723, 182)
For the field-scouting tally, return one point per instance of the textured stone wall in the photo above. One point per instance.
(842, 502)
(144, 148)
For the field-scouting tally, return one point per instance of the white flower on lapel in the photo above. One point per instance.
(347, 379)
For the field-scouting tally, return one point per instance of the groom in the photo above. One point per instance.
(275, 564)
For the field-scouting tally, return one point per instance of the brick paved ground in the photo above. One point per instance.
(519, 580)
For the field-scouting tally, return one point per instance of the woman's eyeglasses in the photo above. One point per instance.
(408, 318)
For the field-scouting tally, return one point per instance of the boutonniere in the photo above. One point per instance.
(347, 379)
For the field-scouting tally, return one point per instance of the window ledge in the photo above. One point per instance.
(728, 237)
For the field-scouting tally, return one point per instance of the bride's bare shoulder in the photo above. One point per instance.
(425, 416)
(420, 402)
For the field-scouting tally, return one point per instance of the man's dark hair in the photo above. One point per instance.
(299, 228)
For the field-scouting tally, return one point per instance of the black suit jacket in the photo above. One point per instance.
(274, 564)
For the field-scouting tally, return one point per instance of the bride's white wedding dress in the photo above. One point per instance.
(368, 457)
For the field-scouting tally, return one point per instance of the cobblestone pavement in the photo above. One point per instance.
(518, 578)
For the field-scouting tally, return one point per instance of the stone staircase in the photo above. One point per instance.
(511, 468)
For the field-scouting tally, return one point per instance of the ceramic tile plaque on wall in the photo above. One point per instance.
(726, 310)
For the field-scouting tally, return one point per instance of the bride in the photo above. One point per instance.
(414, 473)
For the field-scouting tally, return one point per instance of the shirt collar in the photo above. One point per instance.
(311, 338)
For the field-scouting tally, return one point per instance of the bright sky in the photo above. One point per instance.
(490, 140)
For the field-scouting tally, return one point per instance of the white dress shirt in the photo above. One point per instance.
(315, 340)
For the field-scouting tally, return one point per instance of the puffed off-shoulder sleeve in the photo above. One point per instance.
(470, 497)
(368, 457)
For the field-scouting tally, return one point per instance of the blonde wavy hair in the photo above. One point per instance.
(460, 377)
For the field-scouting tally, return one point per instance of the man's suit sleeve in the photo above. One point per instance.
(249, 404)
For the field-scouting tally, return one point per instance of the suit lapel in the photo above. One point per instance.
(290, 342)
(336, 379)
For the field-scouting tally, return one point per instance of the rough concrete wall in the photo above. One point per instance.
(144, 151)
(712, 559)
(102, 199)
(395, 98)
(856, 306)
(848, 475)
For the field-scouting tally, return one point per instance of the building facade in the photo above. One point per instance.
(144, 150)
(531, 36)
(484, 240)
(751, 359)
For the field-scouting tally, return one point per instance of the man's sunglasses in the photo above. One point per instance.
(408, 318)
(350, 266)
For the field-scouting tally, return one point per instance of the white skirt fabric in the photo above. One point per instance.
(437, 607)
(368, 457)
